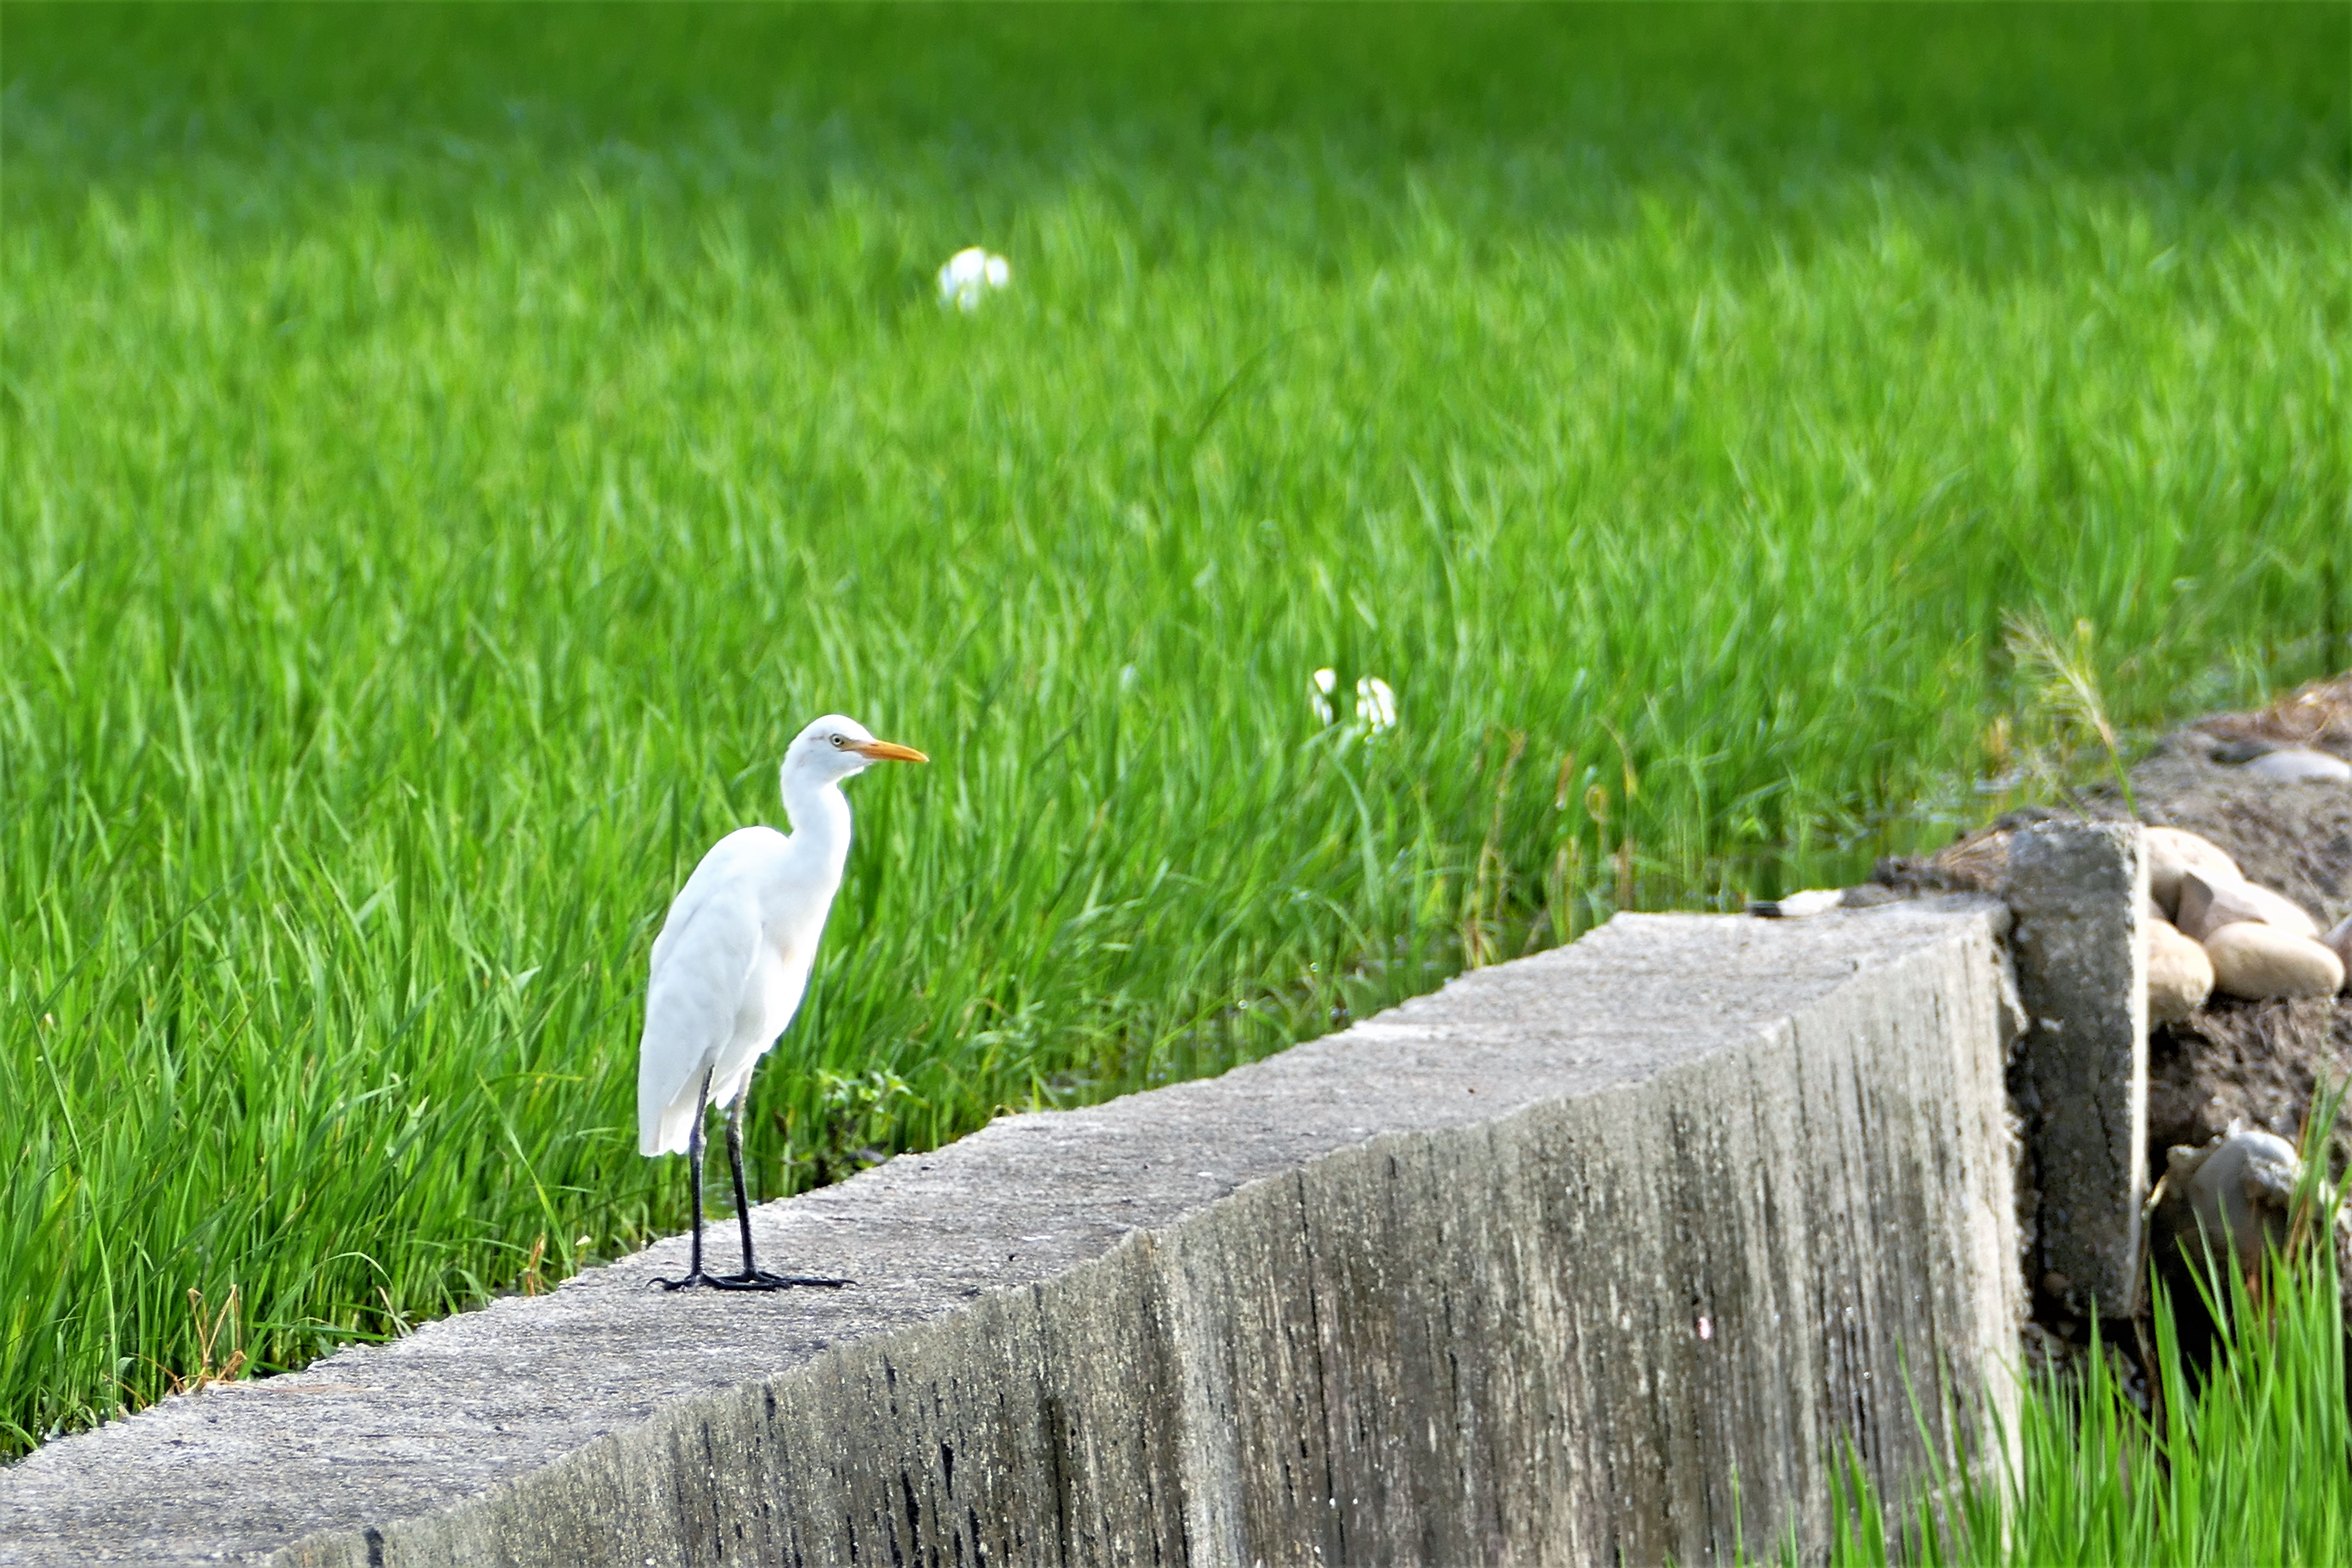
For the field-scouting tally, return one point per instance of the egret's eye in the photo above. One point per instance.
(839, 742)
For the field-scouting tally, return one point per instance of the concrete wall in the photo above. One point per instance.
(1525, 1271)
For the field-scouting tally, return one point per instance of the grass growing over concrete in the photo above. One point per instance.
(447, 452)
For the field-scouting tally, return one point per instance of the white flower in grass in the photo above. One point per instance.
(970, 275)
(1375, 703)
(1319, 687)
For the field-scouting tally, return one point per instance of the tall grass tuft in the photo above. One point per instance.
(2063, 678)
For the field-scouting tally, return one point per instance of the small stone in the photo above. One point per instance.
(2173, 850)
(2207, 905)
(2179, 974)
(2293, 764)
(2258, 961)
(1798, 906)
(2241, 1185)
(2340, 943)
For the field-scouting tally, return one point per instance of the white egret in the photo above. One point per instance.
(732, 962)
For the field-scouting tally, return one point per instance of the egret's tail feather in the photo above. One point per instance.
(665, 1123)
(664, 1130)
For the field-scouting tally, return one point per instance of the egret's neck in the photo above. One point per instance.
(820, 817)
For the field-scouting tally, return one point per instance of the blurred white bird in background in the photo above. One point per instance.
(970, 276)
(730, 963)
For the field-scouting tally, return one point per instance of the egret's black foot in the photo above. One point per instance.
(761, 1280)
(696, 1277)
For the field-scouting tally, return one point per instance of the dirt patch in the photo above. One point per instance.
(2259, 1061)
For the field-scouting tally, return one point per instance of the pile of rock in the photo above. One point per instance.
(2212, 928)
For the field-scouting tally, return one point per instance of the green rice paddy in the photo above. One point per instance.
(449, 452)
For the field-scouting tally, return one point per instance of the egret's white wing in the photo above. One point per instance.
(701, 963)
(731, 863)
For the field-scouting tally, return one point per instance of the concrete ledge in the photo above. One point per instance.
(1522, 1271)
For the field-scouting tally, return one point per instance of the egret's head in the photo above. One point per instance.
(834, 748)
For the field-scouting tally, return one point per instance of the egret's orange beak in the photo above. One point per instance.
(887, 752)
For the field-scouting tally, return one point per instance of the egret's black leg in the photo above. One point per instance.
(694, 1274)
(755, 1277)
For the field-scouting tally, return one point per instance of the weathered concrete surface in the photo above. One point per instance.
(1526, 1271)
(2079, 892)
